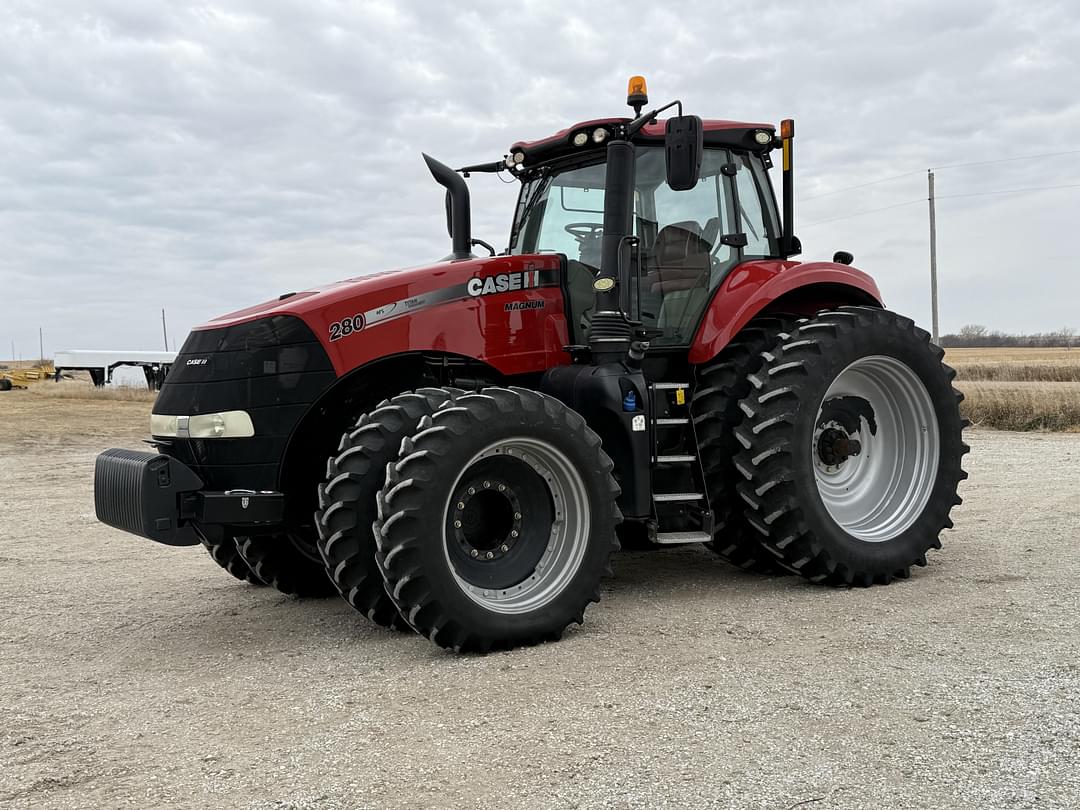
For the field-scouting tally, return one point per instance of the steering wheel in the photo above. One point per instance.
(583, 231)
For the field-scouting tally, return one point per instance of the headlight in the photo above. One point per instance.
(763, 137)
(226, 425)
(581, 139)
(599, 135)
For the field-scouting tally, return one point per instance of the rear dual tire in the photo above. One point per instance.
(851, 447)
(716, 413)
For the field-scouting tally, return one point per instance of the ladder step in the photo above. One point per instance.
(674, 459)
(662, 386)
(673, 497)
(669, 422)
(674, 538)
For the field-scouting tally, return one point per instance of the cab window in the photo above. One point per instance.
(681, 259)
(684, 259)
(757, 215)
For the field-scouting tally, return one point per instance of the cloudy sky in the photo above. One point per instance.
(205, 156)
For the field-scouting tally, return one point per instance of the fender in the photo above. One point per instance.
(755, 287)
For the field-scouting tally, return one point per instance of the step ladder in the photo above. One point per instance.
(665, 397)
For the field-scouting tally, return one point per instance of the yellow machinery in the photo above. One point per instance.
(22, 377)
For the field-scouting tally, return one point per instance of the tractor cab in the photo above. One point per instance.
(648, 215)
(684, 244)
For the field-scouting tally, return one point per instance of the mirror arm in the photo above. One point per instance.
(635, 126)
(484, 244)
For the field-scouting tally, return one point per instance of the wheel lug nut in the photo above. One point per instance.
(502, 487)
(472, 491)
(504, 547)
(475, 553)
(490, 555)
(514, 533)
(461, 505)
(517, 515)
(457, 524)
(487, 485)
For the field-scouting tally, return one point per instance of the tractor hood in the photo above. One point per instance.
(306, 301)
(450, 305)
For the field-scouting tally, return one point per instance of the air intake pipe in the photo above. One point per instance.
(610, 331)
(458, 218)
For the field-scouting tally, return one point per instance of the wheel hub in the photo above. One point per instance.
(834, 447)
(487, 519)
(544, 501)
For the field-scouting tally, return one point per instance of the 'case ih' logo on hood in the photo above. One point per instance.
(198, 361)
(504, 282)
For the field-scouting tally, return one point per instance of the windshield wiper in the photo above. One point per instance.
(749, 224)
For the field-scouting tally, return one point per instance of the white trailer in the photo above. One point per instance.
(102, 364)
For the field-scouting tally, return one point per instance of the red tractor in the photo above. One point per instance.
(459, 448)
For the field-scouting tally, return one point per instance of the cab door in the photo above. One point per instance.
(701, 235)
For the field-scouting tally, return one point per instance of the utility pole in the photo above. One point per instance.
(933, 259)
(41, 345)
(164, 329)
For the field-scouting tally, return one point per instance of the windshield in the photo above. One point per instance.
(682, 257)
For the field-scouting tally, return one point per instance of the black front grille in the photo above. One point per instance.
(273, 368)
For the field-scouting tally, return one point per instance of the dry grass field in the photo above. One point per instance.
(84, 389)
(1006, 389)
(1019, 389)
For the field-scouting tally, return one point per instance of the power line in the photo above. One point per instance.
(941, 197)
(863, 185)
(1009, 191)
(1005, 160)
(860, 213)
(939, 168)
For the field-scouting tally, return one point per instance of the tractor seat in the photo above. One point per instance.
(679, 259)
(678, 272)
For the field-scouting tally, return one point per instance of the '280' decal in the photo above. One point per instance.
(346, 326)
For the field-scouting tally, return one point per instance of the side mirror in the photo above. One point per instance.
(684, 143)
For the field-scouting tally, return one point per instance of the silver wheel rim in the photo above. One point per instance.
(879, 492)
(568, 536)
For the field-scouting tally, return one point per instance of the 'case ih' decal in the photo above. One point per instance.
(503, 282)
(475, 287)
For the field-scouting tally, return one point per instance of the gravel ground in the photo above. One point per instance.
(137, 675)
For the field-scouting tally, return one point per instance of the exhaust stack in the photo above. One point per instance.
(458, 217)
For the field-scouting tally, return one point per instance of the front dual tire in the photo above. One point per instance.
(496, 524)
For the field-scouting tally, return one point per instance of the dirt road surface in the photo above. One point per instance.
(133, 675)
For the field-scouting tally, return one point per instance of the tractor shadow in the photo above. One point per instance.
(684, 569)
(230, 620)
(253, 621)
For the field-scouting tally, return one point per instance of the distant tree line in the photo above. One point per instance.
(975, 335)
